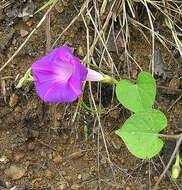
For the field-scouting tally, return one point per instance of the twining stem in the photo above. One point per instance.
(177, 90)
(89, 109)
(169, 136)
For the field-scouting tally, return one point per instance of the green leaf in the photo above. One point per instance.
(140, 133)
(45, 5)
(139, 97)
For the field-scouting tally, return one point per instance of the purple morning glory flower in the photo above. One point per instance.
(58, 76)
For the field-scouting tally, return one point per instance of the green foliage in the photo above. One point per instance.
(45, 5)
(86, 132)
(139, 97)
(140, 131)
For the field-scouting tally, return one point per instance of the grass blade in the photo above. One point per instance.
(45, 5)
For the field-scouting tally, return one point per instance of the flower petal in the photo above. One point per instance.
(58, 76)
(65, 54)
(61, 92)
(79, 74)
(94, 75)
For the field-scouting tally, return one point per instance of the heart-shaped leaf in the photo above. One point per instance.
(140, 133)
(139, 97)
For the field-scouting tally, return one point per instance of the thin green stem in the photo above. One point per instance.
(89, 109)
(169, 136)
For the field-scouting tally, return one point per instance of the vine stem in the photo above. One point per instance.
(169, 136)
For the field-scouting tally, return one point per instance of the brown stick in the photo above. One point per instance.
(48, 34)
(48, 49)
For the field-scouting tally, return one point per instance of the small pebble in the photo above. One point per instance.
(58, 123)
(18, 156)
(80, 51)
(76, 154)
(4, 160)
(114, 114)
(79, 176)
(123, 161)
(15, 172)
(14, 188)
(116, 142)
(156, 178)
(85, 176)
(75, 186)
(60, 149)
(72, 141)
(31, 146)
(35, 133)
(63, 173)
(8, 184)
(49, 174)
(50, 156)
(68, 178)
(62, 187)
(18, 109)
(23, 33)
(128, 188)
(103, 160)
(64, 140)
(43, 154)
(58, 159)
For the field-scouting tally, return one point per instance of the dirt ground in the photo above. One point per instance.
(35, 154)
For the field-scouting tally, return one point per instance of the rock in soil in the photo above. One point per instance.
(75, 187)
(62, 187)
(114, 114)
(4, 160)
(23, 33)
(58, 159)
(18, 156)
(49, 174)
(15, 172)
